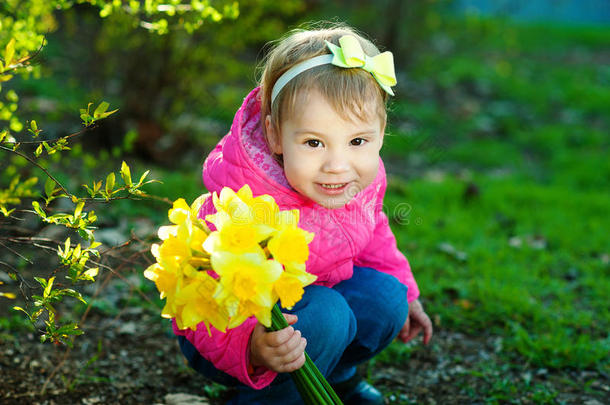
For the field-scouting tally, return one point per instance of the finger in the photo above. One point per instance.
(414, 331)
(294, 365)
(290, 345)
(295, 353)
(279, 337)
(404, 332)
(259, 329)
(427, 330)
(291, 318)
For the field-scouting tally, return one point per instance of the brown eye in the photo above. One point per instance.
(358, 141)
(314, 143)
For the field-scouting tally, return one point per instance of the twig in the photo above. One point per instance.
(82, 131)
(17, 253)
(25, 59)
(38, 165)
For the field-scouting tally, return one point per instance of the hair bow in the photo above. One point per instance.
(350, 55)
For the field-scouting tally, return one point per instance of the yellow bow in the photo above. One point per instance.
(351, 55)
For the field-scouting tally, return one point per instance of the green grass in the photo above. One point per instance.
(548, 295)
(507, 163)
(500, 193)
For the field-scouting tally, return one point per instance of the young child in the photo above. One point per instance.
(310, 136)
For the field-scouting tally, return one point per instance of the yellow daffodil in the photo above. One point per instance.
(289, 287)
(247, 277)
(248, 283)
(167, 283)
(196, 205)
(290, 245)
(164, 280)
(231, 204)
(197, 238)
(298, 270)
(247, 309)
(198, 304)
(242, 208)
(172, 253)
(166, 231)
(255, 256)
(180, 212)
(237, 239)
(286, 219)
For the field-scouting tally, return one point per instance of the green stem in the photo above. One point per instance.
(310, 382)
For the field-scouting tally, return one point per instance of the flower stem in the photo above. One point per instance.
(310, 382)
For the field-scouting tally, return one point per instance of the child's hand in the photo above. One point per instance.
(282, 351)
(416, 321)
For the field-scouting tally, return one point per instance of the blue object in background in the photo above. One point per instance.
(595, 12)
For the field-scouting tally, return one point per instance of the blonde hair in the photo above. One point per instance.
(348, 91)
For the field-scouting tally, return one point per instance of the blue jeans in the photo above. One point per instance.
(344, 326)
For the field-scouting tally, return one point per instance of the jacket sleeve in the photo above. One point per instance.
(229, 351)
(382, 254)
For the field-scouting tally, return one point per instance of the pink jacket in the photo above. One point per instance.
(356, 234)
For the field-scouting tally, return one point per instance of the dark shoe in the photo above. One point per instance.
(356, 391)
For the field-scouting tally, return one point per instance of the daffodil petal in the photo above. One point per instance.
(166, 231)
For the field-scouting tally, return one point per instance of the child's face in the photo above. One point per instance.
(327, 158)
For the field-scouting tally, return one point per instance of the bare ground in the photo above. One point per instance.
(134, 359)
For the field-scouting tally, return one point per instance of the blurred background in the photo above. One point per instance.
(499, 186)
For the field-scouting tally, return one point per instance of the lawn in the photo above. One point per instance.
(505, 173)
(498, 193)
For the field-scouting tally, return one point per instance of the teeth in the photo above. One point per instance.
(333, 185)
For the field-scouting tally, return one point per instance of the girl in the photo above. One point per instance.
(310, 136)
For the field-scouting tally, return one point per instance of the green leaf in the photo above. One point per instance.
(76, 252)
(89, 191)
(38, 210)
(126, 174)
(79, 209)
(41, 281)
(110, 183)
(38, 150)
(16, 308)
(74, 294)
(9, 52)
(69, 329)
(48, 288)
(143, 177)
(6, 212)
(101, 109)
(90, 274)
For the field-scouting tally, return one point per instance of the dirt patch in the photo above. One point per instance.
(136, 360)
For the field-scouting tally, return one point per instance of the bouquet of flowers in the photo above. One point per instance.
(255, 257)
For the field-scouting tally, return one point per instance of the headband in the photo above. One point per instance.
(349, 54)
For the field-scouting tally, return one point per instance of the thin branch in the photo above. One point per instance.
(82, 131)
(17, 253)
(8, 265)
(38, 165)
(26, 59)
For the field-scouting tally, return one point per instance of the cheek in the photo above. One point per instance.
(297, 167)
(369, 167)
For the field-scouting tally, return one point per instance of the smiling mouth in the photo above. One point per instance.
(332, 186)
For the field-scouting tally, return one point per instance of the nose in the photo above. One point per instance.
(335, 162)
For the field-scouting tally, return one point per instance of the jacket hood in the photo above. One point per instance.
(243, 157)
